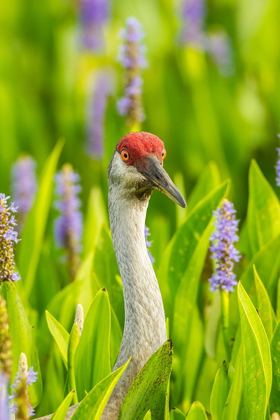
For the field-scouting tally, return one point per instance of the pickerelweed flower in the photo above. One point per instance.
(4, 401)
(24, 186)
(277, 167)
(148, 243)
(5, 341)
(132, 57)
(8, 237)
(93, 16)
(96, 108)
(223, 249)
(21, 406)
(219, 47)
(193, 13)
(69, 225)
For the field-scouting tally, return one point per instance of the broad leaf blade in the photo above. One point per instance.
(33, 234)
(232, 406)
(94, 403)
(60, 335)
(257, 372)
(92, 358)
(149, 388)
(264, 307)
(196, 412)
(275, 356)
(207, 181)
(219, 393)
(263, 210)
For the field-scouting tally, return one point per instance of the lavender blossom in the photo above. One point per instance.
(21, 406)
(93, 16)
(148, 243)
(277, 167)
(132, 57)
(69, 225)
(8, 237)
(223, 249)
(24, 186)
(96, 109)
(4, 402)
(220, 50)
(193, 13)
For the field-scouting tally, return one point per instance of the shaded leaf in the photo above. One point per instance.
(60, 335)
(94, 403)
(149, 388)
(92, 358)
(232, 406)
(264, 307)
(263, 219)
(219, 393)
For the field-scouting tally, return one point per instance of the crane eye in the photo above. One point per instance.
(163, 154)
(125, 155)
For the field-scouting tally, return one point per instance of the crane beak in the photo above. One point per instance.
(160, 180)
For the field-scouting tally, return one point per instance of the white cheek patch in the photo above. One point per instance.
(124, 174)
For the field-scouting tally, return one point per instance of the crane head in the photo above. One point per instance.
(137, 165)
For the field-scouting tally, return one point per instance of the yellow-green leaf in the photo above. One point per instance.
(60, 335)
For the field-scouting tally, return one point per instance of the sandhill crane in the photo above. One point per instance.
(136, 168)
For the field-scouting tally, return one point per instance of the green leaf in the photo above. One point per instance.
(264, 307)
(232, 406)
(60, 335)
(96, 218)
(34, 230)
(266, 262)
(196, 412)
(94, 403)
(149, 388)
(263, 210)
(61, 412)
(176, 414)
(182, 246)
(219, 393)
(106, 269)
(72, 346)
(92, 359)
(181, 212)
(275, 356)
(116, 337)
(207, 181)
(148, 415)
(257, 374)
(22, 339)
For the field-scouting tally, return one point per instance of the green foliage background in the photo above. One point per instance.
(212, 127)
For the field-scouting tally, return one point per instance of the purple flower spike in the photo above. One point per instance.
(4, 402)
(21, 406)
(8, 238)
(148, 243)
(132, 57)
(193, 13)
(277, 167)
(219, 47)
(96, 109)
(24, 186)
(93, 16)
(223, 249)
(69, 225)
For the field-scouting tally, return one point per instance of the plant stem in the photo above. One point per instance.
(225, 321)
